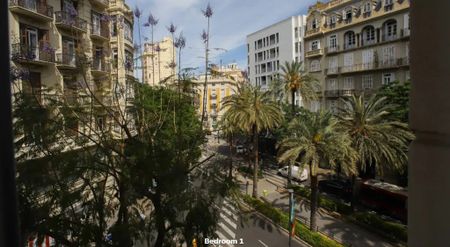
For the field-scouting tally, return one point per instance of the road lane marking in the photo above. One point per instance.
(263, 244)
(228, 220)
(227, 230)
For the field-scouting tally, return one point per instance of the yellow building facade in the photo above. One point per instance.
(75, 49)
(222, 82)
(355, 47)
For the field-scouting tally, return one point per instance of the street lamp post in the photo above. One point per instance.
(291, 214)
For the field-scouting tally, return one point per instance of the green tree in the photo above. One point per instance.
(315, 139)
(252, 111)
(397, 95)
(295, 79)
(379, 139)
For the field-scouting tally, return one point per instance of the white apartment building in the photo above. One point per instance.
(272, 46)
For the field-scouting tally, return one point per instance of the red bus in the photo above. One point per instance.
(385, 198)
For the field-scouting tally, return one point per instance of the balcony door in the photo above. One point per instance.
(69, 52)
(96, 24)
(33, 43)
(31, 4)
(368, 59)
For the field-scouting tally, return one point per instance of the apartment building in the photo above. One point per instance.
(66, 47)
(272, 46)
(222, 82)
(158, 61)
(357, 46)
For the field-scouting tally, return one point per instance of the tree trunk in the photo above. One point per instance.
(293, 102)
(230, 171)
(256, 166)
(314, 202)
(290, 175)
(354, 199)
(160, 221)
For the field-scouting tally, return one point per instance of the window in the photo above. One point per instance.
(332, 42)
(332, 21)
(332, 65)
(367, 82)
(369, 35)
(350, 40)
(315, 45)
(314, 23)
(390, 30)
(348, 59)
(332, 84)
(333, 105)
(127, 30)
(368, 58)
(315, 105)
(296, 47)
(296, 32)
(367, 9)
(348, 83)
(314, 65)
(347, 15)
(388, 5)
(388, 56)
(388, 78)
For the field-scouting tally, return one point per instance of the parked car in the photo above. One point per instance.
(240, 149)
(297, 173)
(338, 187)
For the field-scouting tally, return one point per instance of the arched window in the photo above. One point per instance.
(390, 30)
(368, 35)
(350, 40)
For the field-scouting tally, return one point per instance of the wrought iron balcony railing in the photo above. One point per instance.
(33, 6)
(66, 19)
(25, 52)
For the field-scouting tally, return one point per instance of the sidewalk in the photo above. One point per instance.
(342, 231)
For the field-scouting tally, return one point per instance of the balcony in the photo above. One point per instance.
(100, 3)
(313, 53)
(213, 96)
(387, 38)
(347, 92)
(32, 8)
(69, 22)
(41, 55)
(332, 71)
(331, 49)
(99, 67)
(332, 93)
(312, 31)
(349, 46)
(405, 32)
(358, 67)
(368, 42)
(66, 60)
(100, 31)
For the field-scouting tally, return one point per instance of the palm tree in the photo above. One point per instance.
(317, 139)
(252, 111)
(296, 80)
(378, 140)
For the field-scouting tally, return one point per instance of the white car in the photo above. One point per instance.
(240, 149)
(297, 173)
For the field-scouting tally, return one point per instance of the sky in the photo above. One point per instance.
(231, 22)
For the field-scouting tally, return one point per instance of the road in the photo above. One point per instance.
(257, 231)
(249, 228)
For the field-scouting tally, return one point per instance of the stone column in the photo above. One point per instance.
(429, 158)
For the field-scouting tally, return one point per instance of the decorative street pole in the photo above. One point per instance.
(291, 214)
